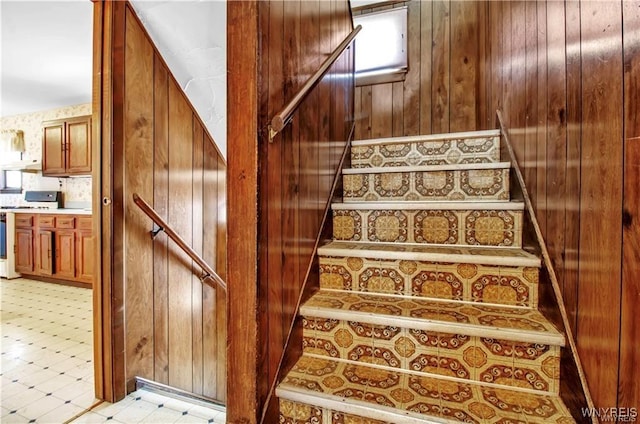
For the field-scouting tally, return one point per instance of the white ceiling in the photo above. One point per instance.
(46, 58)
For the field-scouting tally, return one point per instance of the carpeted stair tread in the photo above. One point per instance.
(483, 255)
(465, 318)
(394, 396)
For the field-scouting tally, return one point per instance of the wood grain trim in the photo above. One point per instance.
(629, 383)
(99, 366)
(242, 200)
(546, 260)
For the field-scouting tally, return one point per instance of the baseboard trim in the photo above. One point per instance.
(172, 392)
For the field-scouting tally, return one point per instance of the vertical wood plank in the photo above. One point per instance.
(180, 218)
(573, 164)
(495, 19)
(211, 339)
(274, 206)
(411, 114)
(242, 169)
(541, 145)
(367, 106)
(397, 109)
(464, 65)
(601, 198)
(507, 58)
(138, 149)
(426, 42)
(221, 269)
(357, 97)
(197, 187)
(531, 94)
(629, 386)
(556, 136)
(324, 97)
(290, 179)
(161, 205)
(483, 106)
(441, 67)
(381, 110)
(517, 73)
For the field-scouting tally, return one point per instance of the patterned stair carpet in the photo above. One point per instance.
(428, 305)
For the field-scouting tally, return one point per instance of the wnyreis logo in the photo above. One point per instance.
(621, 415)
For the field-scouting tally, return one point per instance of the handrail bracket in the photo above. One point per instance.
(157, 229)
(272, 133)
(159, 224)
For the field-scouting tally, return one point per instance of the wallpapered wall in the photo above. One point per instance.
(77, 191)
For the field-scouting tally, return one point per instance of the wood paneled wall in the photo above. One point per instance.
(441, 86)
(278, 192)
(166, 325)
(567, 76)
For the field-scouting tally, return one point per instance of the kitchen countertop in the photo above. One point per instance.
(49, 211)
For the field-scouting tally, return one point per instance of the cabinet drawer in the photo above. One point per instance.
(84, 223)
(66, 222)
(46, 221)
(24, 220)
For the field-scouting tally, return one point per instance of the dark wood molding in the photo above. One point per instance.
(242, 197)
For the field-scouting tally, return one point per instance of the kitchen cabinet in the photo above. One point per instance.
(44, 250)
(66, 147)
(24, 243)
(66, 254)
(24, 250)
(62, 249)
(84, 256)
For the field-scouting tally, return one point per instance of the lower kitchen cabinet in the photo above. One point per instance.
(66, 254)
(24, 250)
(62, 249)
(84, 256)
(44, 250)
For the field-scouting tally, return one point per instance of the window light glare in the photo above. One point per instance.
(382, 42)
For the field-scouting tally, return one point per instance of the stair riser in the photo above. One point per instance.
(453, 227)
(468, 358)
(432, 152)
(482, 184)
(297, 413)
(515, 286)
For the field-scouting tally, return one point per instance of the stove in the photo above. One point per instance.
(27, 207)
(38, 200)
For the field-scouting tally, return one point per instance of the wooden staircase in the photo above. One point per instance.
(428, 305)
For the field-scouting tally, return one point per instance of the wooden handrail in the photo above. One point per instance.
(209, 276)
(282, 118)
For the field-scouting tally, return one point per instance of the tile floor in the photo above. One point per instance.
(47, 364)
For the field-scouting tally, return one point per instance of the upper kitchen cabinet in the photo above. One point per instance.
(66, 147)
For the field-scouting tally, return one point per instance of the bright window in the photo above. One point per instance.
(10, 181)
(381, 46)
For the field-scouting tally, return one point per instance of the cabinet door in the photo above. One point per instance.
(24, 250)
(78, 145)
(45, 252)
(53, 154)
(84, 256)
(65, 254)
